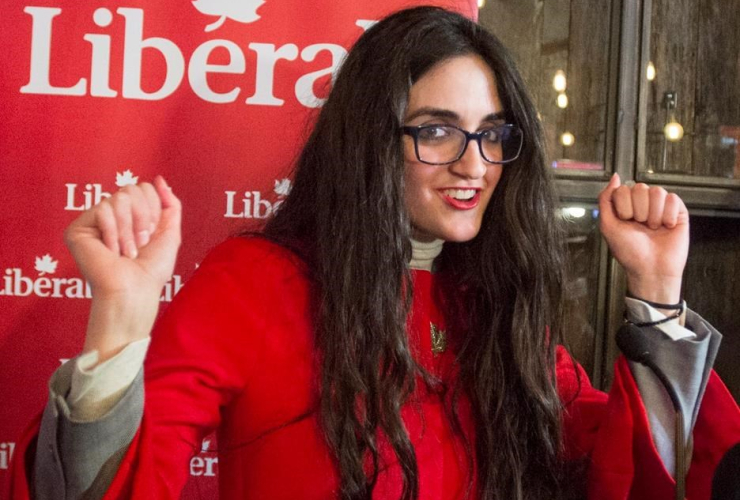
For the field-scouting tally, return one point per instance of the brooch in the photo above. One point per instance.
(439, 339)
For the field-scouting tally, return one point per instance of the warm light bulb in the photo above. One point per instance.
(562, 100)
(673, 131)
(558, 82)
(574, 212)
(567, 139)
(481, 4)
(650, 73)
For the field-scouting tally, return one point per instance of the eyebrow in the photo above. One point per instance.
(446, 113)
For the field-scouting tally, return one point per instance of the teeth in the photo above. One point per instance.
(460, 194)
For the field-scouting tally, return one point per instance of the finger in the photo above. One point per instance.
(121, 202)
(105, 220)
(640, 202)
(140, 215)
(657, 196)
(670, 211)
(683, 212)
(154, 203)
(622, 201)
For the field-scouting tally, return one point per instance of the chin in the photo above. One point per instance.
(447, 230)
(460, 235)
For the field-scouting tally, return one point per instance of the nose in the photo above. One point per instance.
(471, 164)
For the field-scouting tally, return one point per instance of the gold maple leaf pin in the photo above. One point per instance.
(439, 339)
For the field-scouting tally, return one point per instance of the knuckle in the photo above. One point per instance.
(103, 208)
(121, 198)
(130, 189)
(624, 212)
(68, 236)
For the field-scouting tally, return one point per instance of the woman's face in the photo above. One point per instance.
(448, 201)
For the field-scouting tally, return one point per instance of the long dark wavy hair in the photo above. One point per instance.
(346, 217)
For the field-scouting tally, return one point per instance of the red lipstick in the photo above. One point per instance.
(462, 204)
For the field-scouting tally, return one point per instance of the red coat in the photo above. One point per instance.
(235, 352)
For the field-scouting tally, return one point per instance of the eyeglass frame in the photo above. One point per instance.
(413, 131)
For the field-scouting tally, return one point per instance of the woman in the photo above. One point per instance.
(347, 352)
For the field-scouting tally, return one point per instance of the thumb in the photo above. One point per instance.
(605, 197)
(171, 207)
(162, 248)
(607, 214)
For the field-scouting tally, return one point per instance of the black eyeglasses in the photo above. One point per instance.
(445, 144)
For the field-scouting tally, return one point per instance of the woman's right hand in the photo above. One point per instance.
(126, 247)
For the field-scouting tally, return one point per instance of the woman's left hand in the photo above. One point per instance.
(647, 230)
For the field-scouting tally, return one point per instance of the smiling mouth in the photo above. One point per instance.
(461, 199)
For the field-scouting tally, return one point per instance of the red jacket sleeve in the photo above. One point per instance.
(204, 351)
(614, 433)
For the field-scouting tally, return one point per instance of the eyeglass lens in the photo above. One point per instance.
(440, 144)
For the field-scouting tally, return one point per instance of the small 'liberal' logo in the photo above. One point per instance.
(253, 204)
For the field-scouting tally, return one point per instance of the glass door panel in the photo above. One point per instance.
(562, 50)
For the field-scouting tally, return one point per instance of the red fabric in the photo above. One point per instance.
(235, 352)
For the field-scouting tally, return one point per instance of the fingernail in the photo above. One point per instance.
(131, 251)
(142, 238)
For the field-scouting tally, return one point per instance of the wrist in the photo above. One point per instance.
(116, 321)
(660, 289)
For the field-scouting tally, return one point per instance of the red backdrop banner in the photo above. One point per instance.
(216, 95)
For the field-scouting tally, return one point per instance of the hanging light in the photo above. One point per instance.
(672, 130)
(562, 100)
(481, 4)
(567, 139)
(650, 72)
(559, 82)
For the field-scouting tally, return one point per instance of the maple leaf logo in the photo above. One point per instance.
(205, 445)
(282, 187)
(242, 11)
(45, 265)
(126, 178)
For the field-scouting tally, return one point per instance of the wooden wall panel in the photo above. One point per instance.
(717, 88)
(673, 52)
(693, 47)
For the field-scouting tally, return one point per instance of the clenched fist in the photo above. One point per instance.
(647, 230)
(126, 247)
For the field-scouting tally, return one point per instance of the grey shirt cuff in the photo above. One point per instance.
(687, 363)
(78, 459)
